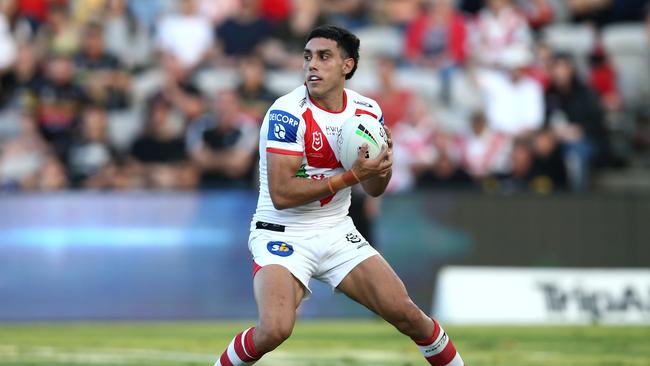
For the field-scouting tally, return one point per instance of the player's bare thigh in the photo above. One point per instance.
(278, 294)
(374, 284)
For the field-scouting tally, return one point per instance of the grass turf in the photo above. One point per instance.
(315, 343)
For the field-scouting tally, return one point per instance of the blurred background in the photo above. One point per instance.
(128, 154)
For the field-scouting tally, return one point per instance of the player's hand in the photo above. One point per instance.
(389, 141)
(369, 168)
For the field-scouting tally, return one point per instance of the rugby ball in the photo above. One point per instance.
(358, 130)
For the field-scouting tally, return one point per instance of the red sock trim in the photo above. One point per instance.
(444, 357)
(250, 346)
(430, 340)
(239, 349)
(224, 360)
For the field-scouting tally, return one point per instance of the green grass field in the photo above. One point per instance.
(322, 343)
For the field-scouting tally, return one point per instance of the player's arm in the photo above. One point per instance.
(288, 191)
(376, 185)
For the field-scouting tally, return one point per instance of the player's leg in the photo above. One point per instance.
(374, 284)
(278, 294)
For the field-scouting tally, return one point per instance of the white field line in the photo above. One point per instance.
(132, 355)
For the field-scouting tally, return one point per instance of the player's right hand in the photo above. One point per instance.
(368, 168)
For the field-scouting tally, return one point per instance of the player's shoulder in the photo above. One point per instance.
(365, 103)
(294, 102)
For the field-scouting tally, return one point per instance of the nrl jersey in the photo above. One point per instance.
(295, 125)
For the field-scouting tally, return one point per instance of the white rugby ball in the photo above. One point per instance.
(358, 130)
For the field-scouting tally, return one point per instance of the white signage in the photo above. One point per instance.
(504, 295)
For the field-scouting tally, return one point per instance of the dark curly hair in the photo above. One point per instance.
(345, 40)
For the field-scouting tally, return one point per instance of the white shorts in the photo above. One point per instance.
(326, 255)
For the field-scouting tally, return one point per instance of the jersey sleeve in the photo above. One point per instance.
(285, 130)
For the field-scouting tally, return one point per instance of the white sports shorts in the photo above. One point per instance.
(327, 255)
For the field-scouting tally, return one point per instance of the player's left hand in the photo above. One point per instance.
(389, 155)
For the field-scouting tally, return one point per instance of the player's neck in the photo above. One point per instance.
(333, 101)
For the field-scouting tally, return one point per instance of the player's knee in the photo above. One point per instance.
(273, 335)
(405, 316)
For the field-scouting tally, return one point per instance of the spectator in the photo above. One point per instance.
(148, 12)
(60, 33)
(161, 149)
(35, 11)
(349, 14)
(244, 33)
(100, 72)
(539, 13)
(87, 11)
(125, 38)
(548, 163)
(255, 95)
(413, 149)
(284, 49)
(484, 152)
(275, 11)
(22, 157)
(7, 42)
(218, 11)
(436, 38)
(575, 115)
(514, 102)
(187, 35)
(225, 154)
(19, 84)
(91, 151)
(52, 176)
(498, 27)
(536, 166)
(521, 173)
(393, 99)
(602, 78)
(59, 101)
(398, 13)
(446, 172)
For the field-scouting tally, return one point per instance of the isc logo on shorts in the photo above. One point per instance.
(279, 248)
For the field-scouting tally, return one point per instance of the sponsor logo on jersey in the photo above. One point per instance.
(317, 140)
(303, 101)
(365, 104)
(279, 248)
(333, 130)
(283, 126)
(381, 119)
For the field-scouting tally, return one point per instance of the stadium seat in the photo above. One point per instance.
(577, 40)
(213, 80)
(627, 46)
(281, 82)
(380, 41)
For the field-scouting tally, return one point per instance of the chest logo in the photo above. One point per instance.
(317, 140)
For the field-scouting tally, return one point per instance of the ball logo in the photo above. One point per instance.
(279, 248)
(279, 132)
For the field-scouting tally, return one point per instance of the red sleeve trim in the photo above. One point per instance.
(361, 111)
(283, 151)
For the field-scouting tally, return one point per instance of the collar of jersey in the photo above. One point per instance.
(345, 103)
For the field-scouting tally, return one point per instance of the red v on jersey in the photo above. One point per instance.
(318, 150)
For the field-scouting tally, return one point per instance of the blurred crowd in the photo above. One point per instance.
(492, 95)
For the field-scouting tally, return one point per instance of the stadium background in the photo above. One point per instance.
(127, 168)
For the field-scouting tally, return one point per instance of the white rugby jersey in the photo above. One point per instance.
(295, 125)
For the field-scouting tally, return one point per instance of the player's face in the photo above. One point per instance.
(325, 66)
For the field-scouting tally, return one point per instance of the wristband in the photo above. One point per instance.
(341, 181)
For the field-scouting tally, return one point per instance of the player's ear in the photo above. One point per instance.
(348, 65)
